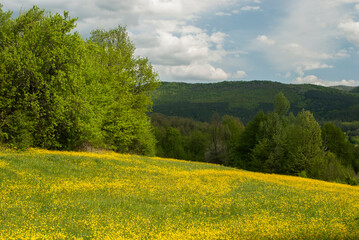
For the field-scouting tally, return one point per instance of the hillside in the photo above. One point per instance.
(245, 99)
(68, 195)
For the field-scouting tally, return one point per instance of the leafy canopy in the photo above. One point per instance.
(61, 92)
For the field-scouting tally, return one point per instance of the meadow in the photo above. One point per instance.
(71, 195)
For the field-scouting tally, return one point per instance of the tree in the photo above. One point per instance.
(337, 142)
(173, 144)
(40, 77)
(59, 91)
(304, 146)
(128, 83)
(281, 104)
(196, 145)
(282, 144)
(247, 141)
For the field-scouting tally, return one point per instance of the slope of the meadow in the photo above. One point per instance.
(67, 195)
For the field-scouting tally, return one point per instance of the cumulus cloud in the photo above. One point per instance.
(309, 37)
(162, 30)
(351, 31)
(192, 72)
(182, 46)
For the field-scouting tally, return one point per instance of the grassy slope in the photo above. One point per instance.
(245, 99)
(61, 195)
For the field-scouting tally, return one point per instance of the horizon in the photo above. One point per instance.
(257, 80)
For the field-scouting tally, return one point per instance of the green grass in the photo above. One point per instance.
(63, 195)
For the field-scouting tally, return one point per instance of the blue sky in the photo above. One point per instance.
(307, 41)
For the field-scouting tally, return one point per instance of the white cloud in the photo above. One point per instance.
(297, 50)
(264, 39)
(314, 65)
(250, 8)
(239, 74)
(187, 48)
(162, 30)
(223, 14)
(309, 36)
(312, 79)
(351, 31)
(342, 53)
(192, 72)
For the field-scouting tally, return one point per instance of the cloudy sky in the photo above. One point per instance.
(290, 41)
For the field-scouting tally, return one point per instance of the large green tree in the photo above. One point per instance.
(40, 79)
(126, 83)
(59, 91)
(304, 146)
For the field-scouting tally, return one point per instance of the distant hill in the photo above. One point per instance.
(245, 99)
(355, 90)
(344, 88)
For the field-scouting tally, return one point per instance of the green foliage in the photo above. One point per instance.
(281, 104)
(40, 76)
(334, 170)
(196, 145)
(355, 90)
(18, 134)
(247, 141)
(273, 142)
(336, 141)
(173, 144)
(77, 93)
(200, 141)
(304, 146)
(245, 99)
(128, 82)
(282, 144)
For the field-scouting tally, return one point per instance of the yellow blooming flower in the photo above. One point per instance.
(71, 195)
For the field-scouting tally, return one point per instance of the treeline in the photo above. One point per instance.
(188, 139)
(276, 142)
(58, 91)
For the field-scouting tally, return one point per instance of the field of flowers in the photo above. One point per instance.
(68, 195)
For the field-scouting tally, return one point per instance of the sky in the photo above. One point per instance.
(288, 41)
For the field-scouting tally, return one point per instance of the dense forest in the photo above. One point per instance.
(274, 142)
(245, 99)
(58, 91)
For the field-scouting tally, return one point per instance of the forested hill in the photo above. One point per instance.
(245, 99)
